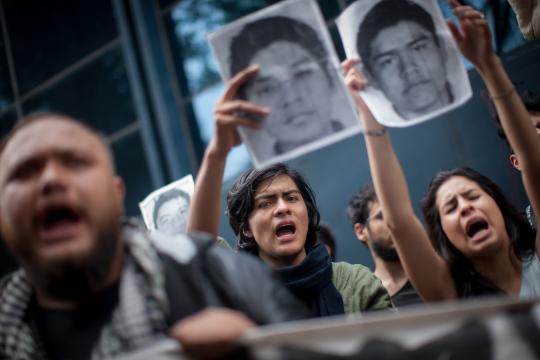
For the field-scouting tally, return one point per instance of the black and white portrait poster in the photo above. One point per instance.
(166, 209)
(299, 80)
(409, 57)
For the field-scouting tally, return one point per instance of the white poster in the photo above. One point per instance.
(166, 209)
(490, 329)
(299, 80)
(409, 58)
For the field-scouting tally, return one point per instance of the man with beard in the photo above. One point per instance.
(365, 214)
(92, 286)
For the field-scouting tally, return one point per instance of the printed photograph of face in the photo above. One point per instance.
(170, 213)
(404, 57)
(166, 209)
(407, 57)
(298, 79)
(294, 79)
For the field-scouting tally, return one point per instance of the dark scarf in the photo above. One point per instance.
(311, 282)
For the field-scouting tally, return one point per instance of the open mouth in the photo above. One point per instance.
(476, 227)
(286, 231)
(412, 86)
(298, 117)
(58, 222)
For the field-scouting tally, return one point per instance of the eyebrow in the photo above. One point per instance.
(301, 61)
(422, 37)
(466, 192)
(274, 195)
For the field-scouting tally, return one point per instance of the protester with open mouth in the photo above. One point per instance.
(274, 216)
(480, 244)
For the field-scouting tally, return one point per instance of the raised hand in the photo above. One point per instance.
(212, 333)
(473, 36)
(356, 81)
(230, 112)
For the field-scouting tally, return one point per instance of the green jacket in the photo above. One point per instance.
(359, 288)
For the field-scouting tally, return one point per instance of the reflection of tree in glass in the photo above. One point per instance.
(192, 20)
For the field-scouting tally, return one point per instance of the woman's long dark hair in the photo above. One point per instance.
(468, 281)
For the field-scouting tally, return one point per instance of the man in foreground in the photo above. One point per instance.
(99, 285)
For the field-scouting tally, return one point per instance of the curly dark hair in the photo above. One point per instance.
(241, 201)
(467, 280)
(358, 208)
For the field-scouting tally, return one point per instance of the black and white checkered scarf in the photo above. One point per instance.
(139, 319)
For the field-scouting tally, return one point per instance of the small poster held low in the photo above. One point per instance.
(409, 58)
(167, 208)
(299, 80)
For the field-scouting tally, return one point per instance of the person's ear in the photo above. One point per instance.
(247, 232)
(515, 161)
(361, 232)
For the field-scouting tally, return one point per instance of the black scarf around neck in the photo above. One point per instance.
(311, 282)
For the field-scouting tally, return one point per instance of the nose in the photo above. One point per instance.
(291, 93)
(465, 207)
(282, 208)
(52, 178)
(408, 64)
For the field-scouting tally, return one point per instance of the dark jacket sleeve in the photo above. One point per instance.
(251, 287)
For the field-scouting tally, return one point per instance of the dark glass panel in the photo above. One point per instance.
(97, 93)
(7, 120)
(336, 40)
(47, 36)
(329, 9)
(6, 92)
(163, 4)
(131, 165)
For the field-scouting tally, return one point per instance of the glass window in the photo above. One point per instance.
(47, 36)
(330, 9)
(98, 93)
(6, 92)
(131, 165)
(7, 121)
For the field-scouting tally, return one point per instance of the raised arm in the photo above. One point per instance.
(475, 42)
(427, 271)
(204, 213)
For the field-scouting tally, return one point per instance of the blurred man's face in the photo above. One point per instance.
(172, 216)
(378, 235)
(409, 67)
(60, 202)
(294, 86)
